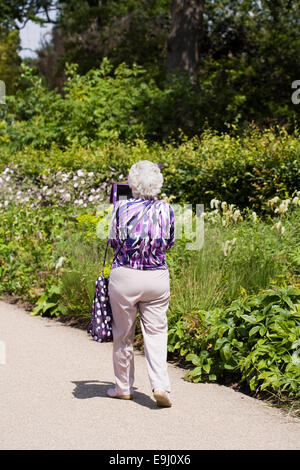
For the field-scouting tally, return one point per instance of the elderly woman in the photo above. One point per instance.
(142, 229)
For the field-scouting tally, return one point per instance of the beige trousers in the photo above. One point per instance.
(147, 291)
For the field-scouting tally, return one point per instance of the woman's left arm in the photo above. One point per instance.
(113, 238)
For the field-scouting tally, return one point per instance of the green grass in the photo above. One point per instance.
(258, 257)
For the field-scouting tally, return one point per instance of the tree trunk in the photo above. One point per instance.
(183, 42)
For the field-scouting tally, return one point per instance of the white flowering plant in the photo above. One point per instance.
(76, 188)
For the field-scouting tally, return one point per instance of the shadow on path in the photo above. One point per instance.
(95, 388)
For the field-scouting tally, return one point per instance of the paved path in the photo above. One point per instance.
(52, 396)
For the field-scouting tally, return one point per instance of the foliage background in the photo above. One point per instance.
(100, 97)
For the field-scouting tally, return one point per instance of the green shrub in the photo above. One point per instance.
(244, 171)
(28, 259)
(256, 338)
(101, 106)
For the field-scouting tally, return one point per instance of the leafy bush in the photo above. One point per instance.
(103, 105)
(256, 337)
(125, 103)
(28, 261)
(243, 171)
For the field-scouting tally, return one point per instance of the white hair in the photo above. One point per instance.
(145, 179)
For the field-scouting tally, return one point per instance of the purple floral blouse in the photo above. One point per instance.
(153, 235)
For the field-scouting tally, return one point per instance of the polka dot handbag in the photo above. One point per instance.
(100, 326)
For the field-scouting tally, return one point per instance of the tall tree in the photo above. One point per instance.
(15, 13)
(122, 30)
(183, 42)
(10, 61)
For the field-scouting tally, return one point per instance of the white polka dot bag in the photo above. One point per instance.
(100, 326)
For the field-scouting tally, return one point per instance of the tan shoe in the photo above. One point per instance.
(162, 398)
(111, 392)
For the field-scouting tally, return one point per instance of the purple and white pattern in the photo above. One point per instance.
(100, 326)
(145, 248)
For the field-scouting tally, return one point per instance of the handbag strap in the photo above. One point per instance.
(146, 208)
